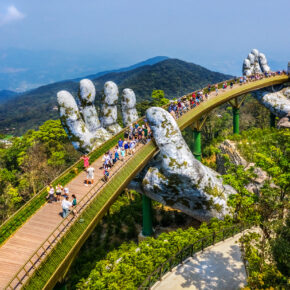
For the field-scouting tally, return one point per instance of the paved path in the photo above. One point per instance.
(218, 267)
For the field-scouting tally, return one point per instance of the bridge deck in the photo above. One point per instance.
(17, 250)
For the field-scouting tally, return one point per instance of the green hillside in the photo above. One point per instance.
(175, 77)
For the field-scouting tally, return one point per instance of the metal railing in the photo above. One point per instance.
(189, 251)
(73, 228)
(9, 226)
(40, 254)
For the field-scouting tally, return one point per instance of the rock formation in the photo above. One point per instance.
(129, 112)
(229, 148)
(255, 62)
(178, 179)
(82, 125)
(109, 108)
(278, 103)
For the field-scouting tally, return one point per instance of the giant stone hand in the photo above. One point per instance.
(255, 62)
(278, 103)
(82, 125)
(178, 179)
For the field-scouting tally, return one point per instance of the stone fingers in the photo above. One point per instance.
(109, 108)
(87, 94)
(128, 103)
(255, 62)
(80, 136)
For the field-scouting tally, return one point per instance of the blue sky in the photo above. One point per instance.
(115, 33)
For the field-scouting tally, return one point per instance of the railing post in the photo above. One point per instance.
(147, 229)
(236, 120)
(213, 238)
(202, 245)
(272, 120)
(197, 144)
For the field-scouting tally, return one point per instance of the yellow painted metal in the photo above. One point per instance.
(150, 149)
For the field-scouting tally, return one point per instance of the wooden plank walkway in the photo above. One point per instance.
(16, 251)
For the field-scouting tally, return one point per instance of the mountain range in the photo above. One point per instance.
(176, 77)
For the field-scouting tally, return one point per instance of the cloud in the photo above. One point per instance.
(11, 14)
(12, 70)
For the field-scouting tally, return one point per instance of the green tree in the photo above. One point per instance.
(159, 99)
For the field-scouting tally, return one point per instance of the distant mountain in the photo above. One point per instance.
(174, 76)
(6, 95)
(149, 61)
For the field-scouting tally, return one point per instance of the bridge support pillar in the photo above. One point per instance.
(272, 120)
(147, 229)
(236, 120)
(197, 144)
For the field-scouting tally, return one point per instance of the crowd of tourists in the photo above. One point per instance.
(180, 106)
(141, 134)
(55, 194)
(133, 137)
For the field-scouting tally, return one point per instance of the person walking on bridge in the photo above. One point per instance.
(86, 161)
(90, 175)
(58, 191)
(216, 89)
(51, 197)
(66, 204)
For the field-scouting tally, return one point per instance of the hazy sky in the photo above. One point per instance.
(216, 33)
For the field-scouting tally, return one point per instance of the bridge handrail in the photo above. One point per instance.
(11, 225)
(141, 157)
(189, 251)
(65, 223)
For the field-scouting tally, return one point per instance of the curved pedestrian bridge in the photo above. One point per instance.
(40, 247)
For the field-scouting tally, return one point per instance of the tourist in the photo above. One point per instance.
(231, 84)
(209, 88)
(65, 191)
(74, 204)
(116, 155)
(120, 143)
(106, 175)
(90, 175)
(123, 153)
(132, 147)
(86, 161)
(216, 89)
(58, 191)
(126, 147)
(51, 197)
(126, 135)
(66, 204)
(241, 80)
(145, 130)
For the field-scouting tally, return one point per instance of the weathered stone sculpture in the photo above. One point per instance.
(229, 148)
(109, 108)
(129, 112)
(83, 125)
(278, 103)
(255, 62)
(177, 178)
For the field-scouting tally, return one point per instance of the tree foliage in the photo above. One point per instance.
(31, 162)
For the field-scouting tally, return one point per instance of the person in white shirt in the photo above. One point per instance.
(65, 192)
(90, 174)
(66, 204)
